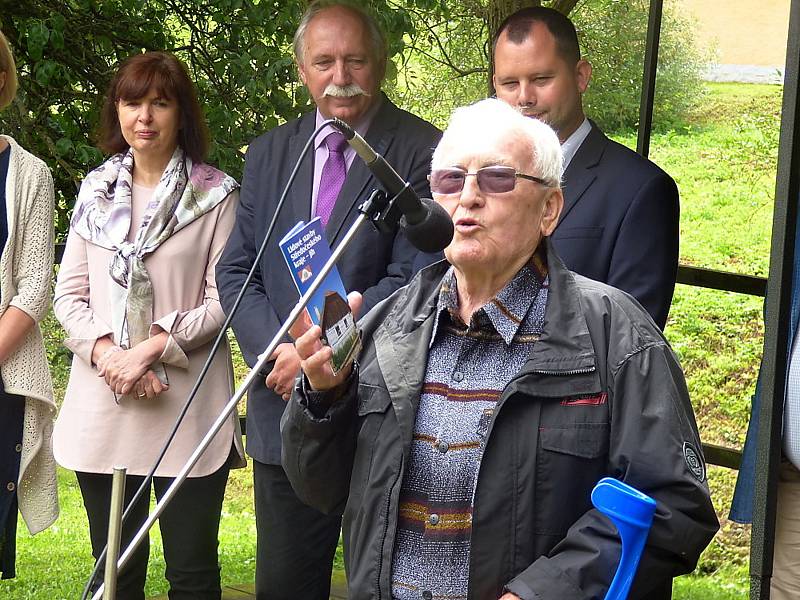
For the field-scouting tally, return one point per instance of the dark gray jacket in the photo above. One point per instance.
(601, 395)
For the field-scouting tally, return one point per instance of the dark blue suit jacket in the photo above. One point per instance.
(375, 265)
(619, 224)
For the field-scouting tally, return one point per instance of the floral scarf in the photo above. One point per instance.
(102, 216)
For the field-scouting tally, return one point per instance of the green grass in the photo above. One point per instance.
(726, 584)
(55, 564)
(724, 163)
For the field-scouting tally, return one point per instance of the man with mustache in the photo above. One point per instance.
(341, 58)
(620, 219)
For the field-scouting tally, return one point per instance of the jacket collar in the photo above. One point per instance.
(565, 345)
(403, 335)
(568, 345)
(562, 363)
(580, 173)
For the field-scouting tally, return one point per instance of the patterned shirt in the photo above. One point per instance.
(468, 367)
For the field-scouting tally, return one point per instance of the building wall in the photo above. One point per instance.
(748, 35)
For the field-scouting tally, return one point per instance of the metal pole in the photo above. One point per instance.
(238, 395)
(649, 78)
(114, 532)
(779, 287)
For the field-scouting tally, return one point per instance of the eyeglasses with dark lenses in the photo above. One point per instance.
(491, 180)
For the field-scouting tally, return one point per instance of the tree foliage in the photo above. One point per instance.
(63, 52)
(239, 55)
(447, 61)
(613, 35)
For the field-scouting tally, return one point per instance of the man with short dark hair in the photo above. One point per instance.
(620, 219)
(341, 59)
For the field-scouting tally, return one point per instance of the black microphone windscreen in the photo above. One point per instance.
(433, 233)
(345, 129)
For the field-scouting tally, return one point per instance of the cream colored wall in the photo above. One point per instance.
(744, 32)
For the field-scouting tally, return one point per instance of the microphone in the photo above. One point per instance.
(426, 224)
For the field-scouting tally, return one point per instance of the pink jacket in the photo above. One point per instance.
(92, 432)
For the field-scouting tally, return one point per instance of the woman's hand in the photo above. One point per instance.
(103, 348)
(149, 386)
(122, 369)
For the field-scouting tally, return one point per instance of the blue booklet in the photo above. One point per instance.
(306, 251)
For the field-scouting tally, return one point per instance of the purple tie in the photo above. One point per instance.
(332, 177)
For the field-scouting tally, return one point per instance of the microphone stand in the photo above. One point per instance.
(377, 210)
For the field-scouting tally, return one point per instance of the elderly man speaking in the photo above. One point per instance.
(491, 395)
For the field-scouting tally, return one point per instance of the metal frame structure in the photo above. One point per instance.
(649, 77)
(777, 288)
(779, 285)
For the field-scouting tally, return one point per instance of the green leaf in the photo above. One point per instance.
(38, 33)
(64, 146)
(57, 22)
(37, 36)
(57, 39)
(45, 71)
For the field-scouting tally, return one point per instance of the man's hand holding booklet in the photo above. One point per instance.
(306, 251)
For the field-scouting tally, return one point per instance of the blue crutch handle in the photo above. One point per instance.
(631, 511)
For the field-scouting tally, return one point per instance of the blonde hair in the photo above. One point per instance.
(7, 66)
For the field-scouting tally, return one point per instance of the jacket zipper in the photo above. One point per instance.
(491, 427)
(572, 372)
(386, 526)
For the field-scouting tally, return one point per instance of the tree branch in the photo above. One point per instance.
(564, 6)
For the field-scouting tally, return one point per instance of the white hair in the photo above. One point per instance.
(487, 118)
(376, 36)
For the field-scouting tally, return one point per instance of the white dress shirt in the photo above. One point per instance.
(573, 142)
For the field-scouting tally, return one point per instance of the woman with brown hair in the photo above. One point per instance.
(27, 468)
(137, 297)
